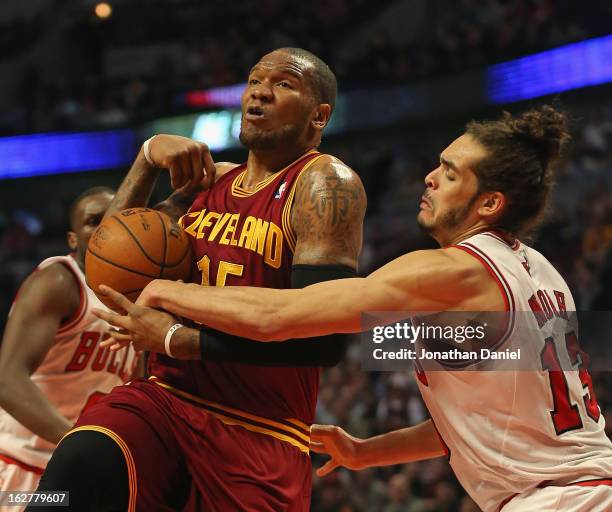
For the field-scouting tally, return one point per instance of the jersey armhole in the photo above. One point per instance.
(502, 284)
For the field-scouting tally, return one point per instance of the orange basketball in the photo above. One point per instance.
(131, 248)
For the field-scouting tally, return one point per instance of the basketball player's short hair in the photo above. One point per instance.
(86, 193)
(324, 83)
(523, 154)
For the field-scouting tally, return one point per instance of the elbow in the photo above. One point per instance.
(263, 329)
(267, 325)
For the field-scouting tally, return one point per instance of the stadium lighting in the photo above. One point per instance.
(568, 67)
(103, 10)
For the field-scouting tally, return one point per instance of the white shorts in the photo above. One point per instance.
(572, 498)
(14, 478)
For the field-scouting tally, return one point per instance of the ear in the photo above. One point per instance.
(322, 115)
(72, 240)
(492, 205)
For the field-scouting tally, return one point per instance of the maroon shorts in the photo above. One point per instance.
(183, 455)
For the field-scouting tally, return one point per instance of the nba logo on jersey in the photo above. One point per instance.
(281, 189)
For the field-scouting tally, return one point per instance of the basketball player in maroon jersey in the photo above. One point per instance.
(220, 433)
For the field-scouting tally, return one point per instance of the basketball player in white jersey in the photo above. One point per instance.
(517, 440)
(51, 364)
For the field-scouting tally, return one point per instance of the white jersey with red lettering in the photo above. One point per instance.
(527, 426)
(74, 374)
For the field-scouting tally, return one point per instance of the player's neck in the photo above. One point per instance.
(79, 261)
(263, 163)
(461, 235)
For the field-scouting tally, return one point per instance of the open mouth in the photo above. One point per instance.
(254, 112)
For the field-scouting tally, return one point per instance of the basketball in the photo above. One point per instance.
(131, 248)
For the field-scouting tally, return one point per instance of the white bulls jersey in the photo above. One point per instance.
(73, 375)
(512, 430)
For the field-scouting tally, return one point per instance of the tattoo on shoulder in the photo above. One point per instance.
(328, 214)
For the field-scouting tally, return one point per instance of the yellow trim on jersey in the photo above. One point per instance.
(290, 235)
(129, 460)
(299, 424)
(260, 430)
(303, 446)
(238, 191)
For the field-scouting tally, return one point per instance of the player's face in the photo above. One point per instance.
(87, 216)
(277, 104)
(448, 204)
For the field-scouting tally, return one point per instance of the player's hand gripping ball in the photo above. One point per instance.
(131, 248)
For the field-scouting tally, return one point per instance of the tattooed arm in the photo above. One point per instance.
(327, 215)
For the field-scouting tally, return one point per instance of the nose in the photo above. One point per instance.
(261, 91)
(430, 179)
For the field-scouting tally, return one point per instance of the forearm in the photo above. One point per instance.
(23, 400)
(410, 444)
(232, 309)
(136, 188)
(266, 314)
(177, 204)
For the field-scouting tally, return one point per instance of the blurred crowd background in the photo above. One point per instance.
(99, 76)
(104, 77)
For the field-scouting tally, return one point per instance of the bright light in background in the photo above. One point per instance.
(103, 10)
(215, 129)
(568, 67)
(57, 153)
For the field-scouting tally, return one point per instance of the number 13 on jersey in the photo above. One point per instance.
(225, 268)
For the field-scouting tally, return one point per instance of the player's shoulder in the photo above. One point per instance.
(330, 165)
(56, 274)
(457, 260)
(52, 286)
(223, 168)
(329, 172)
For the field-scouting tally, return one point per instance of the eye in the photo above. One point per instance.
(253, 81)
(285, 84)
(450, 175)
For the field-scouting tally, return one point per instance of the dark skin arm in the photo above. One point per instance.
(191, 169)
(327, 217)
(47, 297)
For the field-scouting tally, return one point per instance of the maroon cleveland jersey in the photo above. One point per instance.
(244, 238)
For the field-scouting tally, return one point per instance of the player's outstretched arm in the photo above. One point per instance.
(431, 280)
(46, 298)
(410, 444)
